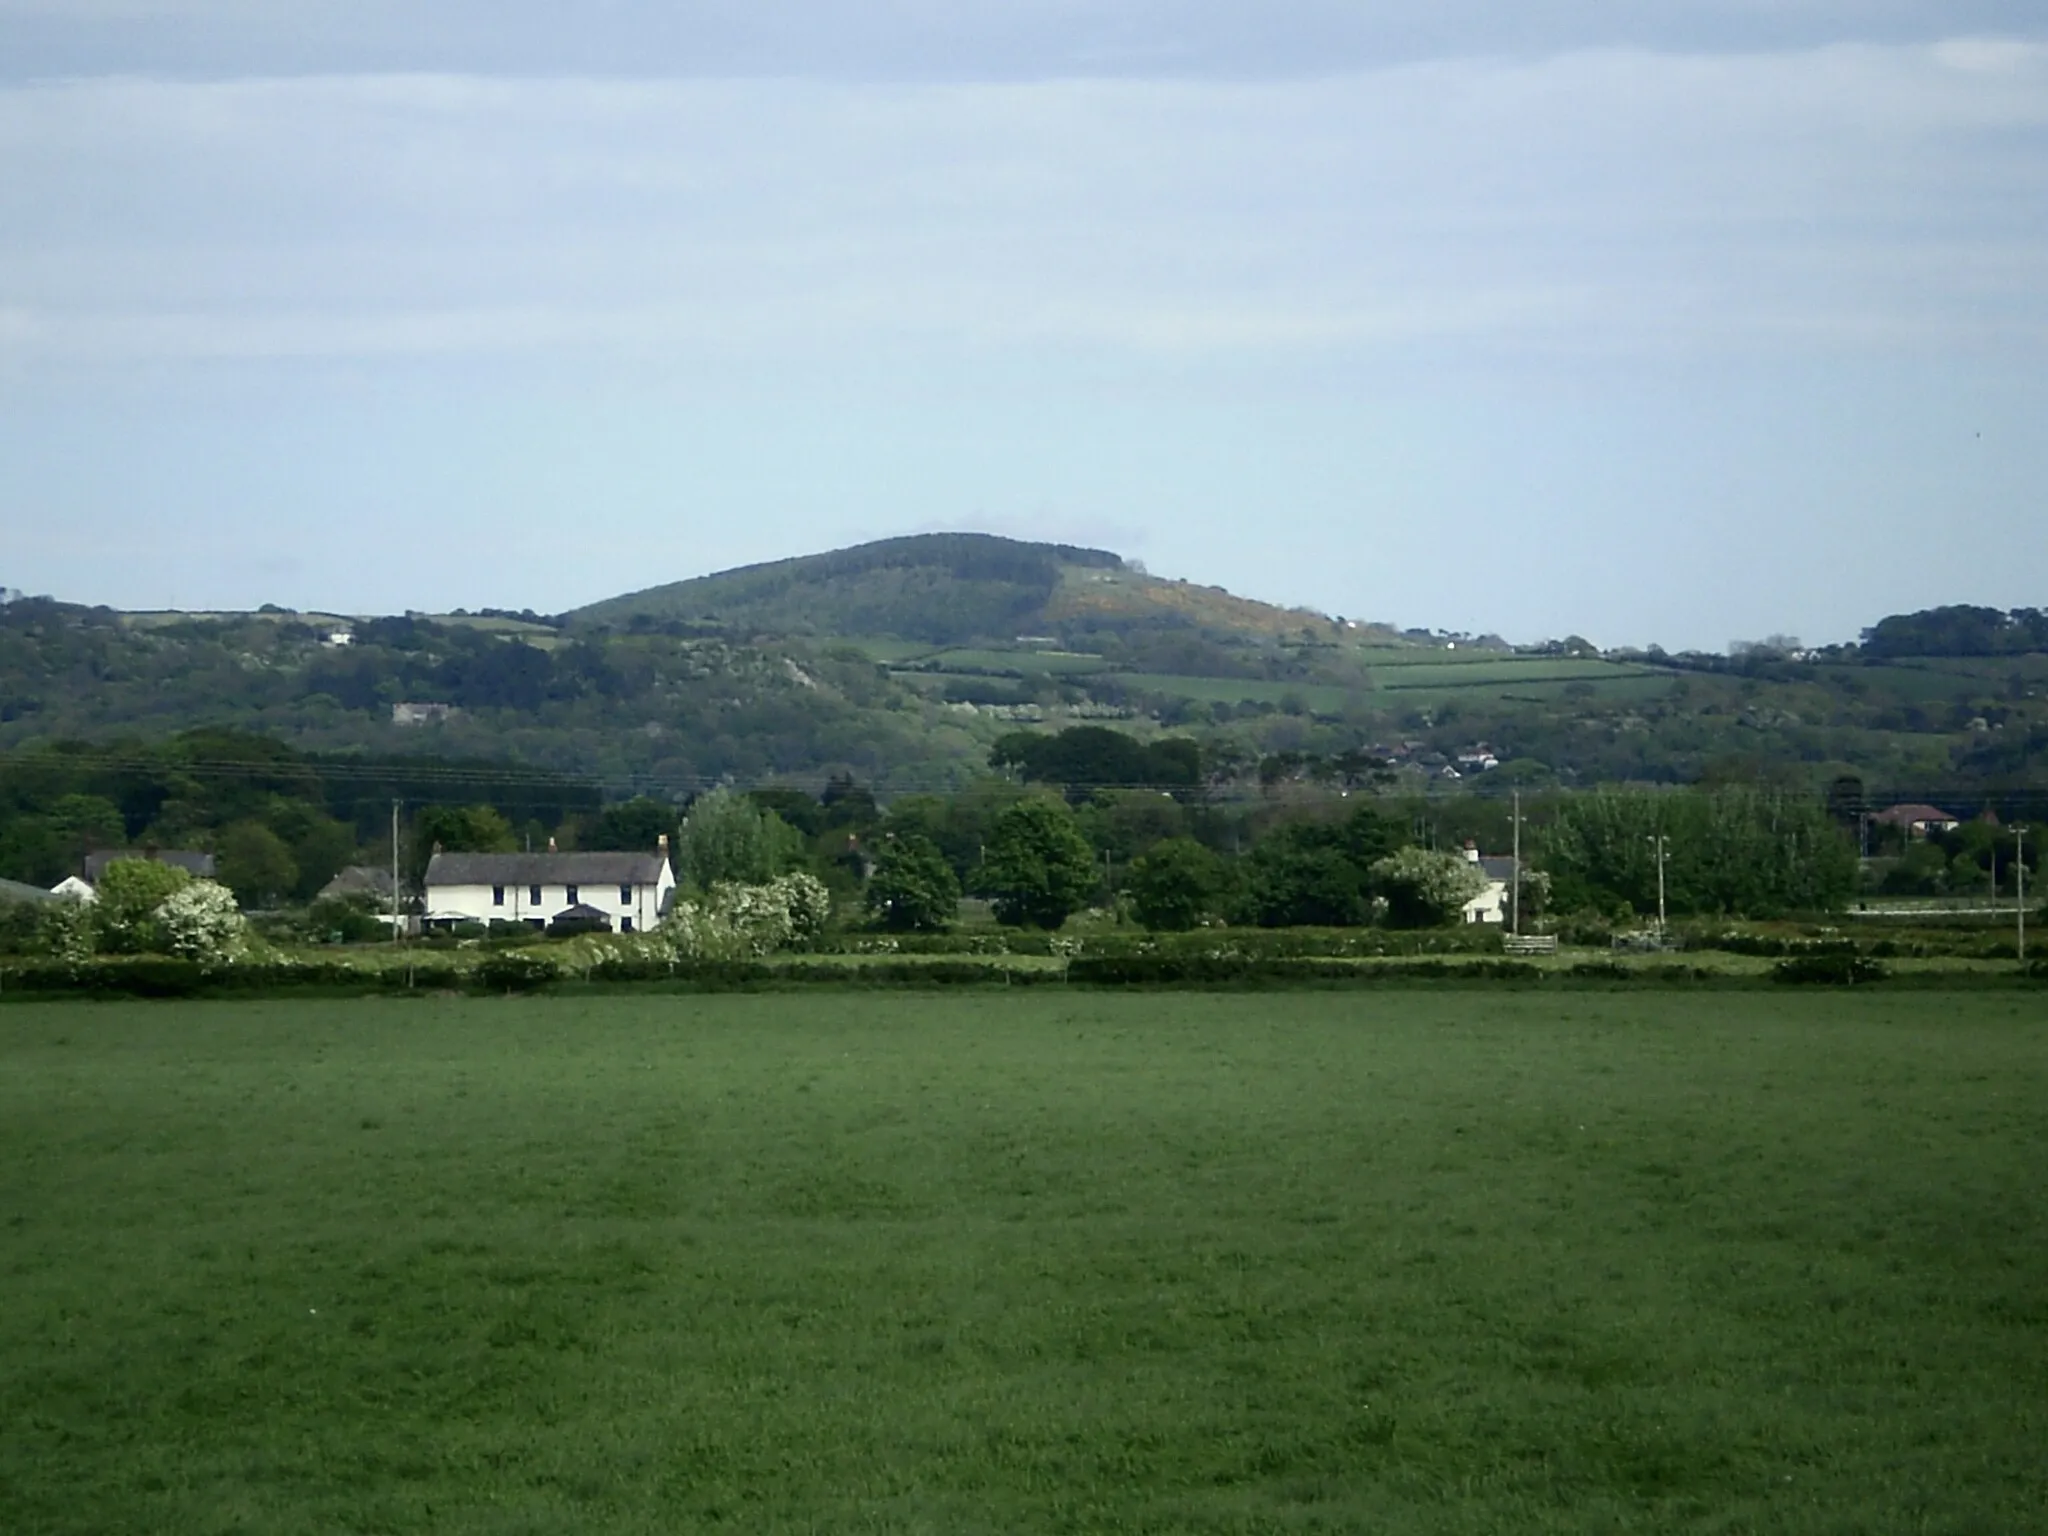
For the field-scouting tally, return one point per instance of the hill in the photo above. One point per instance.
(902, 662)
(943, 589)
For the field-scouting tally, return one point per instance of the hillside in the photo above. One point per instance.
(943, 589)
(902, 662)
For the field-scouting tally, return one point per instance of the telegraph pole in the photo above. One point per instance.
(394, 870)
(2019, 875)
(1516, 914)
(1660, 843)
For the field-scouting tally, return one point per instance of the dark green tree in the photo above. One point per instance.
(1039, 867)
(1177, 884)
(634, 826)
(455, 829)
(913, 888)
(256, 864)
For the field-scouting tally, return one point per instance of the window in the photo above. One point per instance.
(533, 895)
(497, 895)
(625, 895)
(625, 925)
(572, 895)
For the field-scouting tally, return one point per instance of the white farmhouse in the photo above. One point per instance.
(1491, 904)
(631, 891)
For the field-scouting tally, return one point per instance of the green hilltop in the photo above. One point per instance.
(943, 589)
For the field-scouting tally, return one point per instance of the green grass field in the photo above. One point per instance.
(1405, 1261)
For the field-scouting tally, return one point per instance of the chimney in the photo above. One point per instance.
(661, 842)
(437, 845)
(551, 845)
(1471, 851)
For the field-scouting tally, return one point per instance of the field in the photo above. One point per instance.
(1456, 1260)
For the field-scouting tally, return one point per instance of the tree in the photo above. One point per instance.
(200, 921)
(913, 888)
(634, 826)
(1315, 873)
(1424, 889)
(728, 839)
(255, 864)
(1039, 867)
(1176, 884)
(456, 829)
(126, 899)
(1737, 850)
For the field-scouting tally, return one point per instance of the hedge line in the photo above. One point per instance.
(165, 978)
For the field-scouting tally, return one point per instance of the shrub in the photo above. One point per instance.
(809, 905)
(65, 931)
(200, 921)
(1831, 967)
(126, 901)
(516, 970)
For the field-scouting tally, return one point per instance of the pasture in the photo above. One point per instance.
(1451, 1260)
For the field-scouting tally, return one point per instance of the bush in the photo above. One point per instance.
(516, 970)
(201, 921)
(1830, 968)
(127, 898)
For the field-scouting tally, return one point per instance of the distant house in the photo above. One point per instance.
(14, 890)
(631, 891)
(419, 713)
(1491, 904)
(196, 864)
(358, 880)
(1917, 820)
(84, 886)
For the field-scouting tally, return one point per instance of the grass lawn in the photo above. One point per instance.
(1433, 1261)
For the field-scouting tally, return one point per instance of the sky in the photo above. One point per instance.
(1671, 324)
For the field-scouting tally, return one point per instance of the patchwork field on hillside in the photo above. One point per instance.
(1444, 1261)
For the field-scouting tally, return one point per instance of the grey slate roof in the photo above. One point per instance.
(1501, 869)
(14, 890)
(358, 880)
(190, 860)
(544, 869)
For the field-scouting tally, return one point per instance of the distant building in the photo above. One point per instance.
(85, 885)
(1917, 820)
(358, 880)
(632, 892)
(1491, 904)
(196, 864)
(14, 890)
(413, 713)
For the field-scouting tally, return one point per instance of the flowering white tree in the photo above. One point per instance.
(200, 921)
(810, 907)
(745, 922)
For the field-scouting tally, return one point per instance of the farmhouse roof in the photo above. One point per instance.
(545, 869)
(14, 890)
(1912, 815)
(190, 860)
(358, 880)
(1501, 869)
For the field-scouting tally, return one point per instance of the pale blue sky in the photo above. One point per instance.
(1526, 318)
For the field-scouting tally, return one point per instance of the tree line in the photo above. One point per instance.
(1061, 822)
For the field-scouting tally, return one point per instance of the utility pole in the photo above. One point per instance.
(1660, 843)
(394, 871)
(1516, 915)
(2019, 875)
